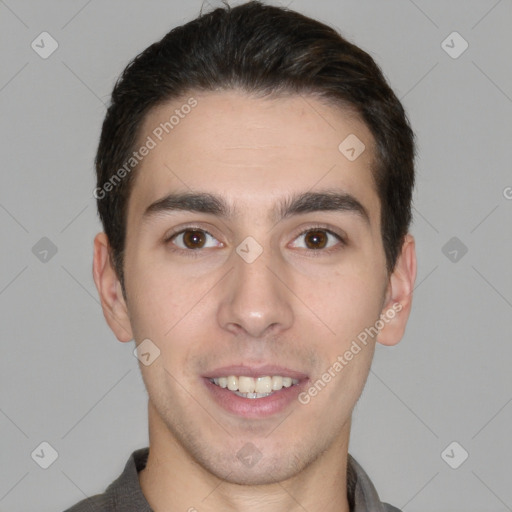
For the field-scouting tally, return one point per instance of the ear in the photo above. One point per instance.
(398, 301)
(110, 291)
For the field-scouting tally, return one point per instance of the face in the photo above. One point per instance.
(253, 261)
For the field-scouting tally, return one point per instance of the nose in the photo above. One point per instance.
(255, 302)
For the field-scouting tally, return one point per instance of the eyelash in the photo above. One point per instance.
(194, 253)
(322, 252)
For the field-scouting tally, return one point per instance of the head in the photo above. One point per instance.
(232, 128)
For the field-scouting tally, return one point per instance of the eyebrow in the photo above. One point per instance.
(306, 202)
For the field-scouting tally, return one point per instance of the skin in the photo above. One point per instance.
(289, 307)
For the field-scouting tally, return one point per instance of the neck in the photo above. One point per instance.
(173, 480)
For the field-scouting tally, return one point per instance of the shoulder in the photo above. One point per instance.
(124, 494)
(98, 503)
(361, 492)
(390, 508)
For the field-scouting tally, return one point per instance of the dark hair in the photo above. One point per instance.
(263, 50)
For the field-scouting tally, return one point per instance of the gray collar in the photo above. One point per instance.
(362, 495)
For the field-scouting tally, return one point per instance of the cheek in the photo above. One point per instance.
(155, 298)
(348, 303)
(167, 308)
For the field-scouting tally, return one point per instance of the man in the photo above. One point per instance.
(255, 174)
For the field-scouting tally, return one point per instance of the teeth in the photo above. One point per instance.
(263, 385)
(277, 383)
(252, 395)
(232, 383)
(245, 384)
(259, 386)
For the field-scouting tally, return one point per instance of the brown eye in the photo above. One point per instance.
(190, 239)
(316, 239)
(194, 239)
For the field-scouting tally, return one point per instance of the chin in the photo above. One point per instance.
(262, 473)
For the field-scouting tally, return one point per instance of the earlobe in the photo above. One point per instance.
(109, 290)
(398, 303)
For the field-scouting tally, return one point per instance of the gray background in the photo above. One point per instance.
(67, 381)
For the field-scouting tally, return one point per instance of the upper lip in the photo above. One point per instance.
(255, 371)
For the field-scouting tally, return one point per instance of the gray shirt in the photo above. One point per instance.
(125, 494)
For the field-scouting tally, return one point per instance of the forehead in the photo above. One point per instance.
(253, 150)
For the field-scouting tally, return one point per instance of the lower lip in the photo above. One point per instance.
(277, 402)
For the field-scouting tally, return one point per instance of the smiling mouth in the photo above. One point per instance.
(250, 387)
